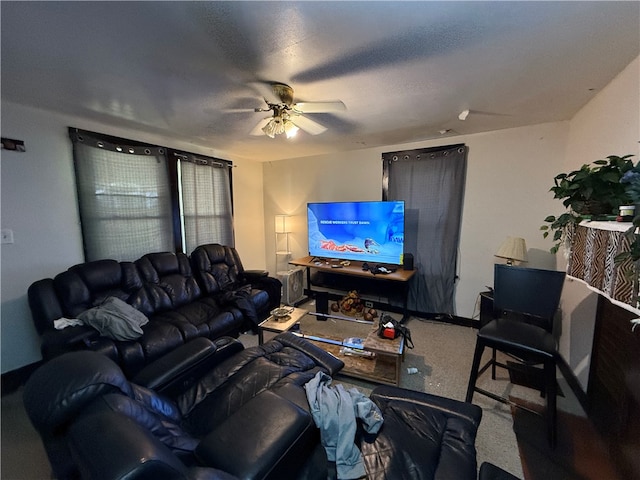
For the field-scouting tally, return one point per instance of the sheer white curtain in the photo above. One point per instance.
(431, 182)
(207, 215)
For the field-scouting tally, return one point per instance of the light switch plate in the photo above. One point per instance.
(6, 235)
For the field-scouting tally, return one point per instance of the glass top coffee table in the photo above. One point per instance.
(280, 324)
(376, 359)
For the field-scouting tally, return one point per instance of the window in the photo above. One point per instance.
(206, 211)
(137, 198)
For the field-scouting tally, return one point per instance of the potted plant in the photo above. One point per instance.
(594, 191)
(631, 181)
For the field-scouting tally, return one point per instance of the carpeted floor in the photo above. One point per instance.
(580, 454)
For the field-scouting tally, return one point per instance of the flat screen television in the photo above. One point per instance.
(359, 231)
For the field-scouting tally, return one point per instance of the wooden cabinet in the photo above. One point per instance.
(614, 385)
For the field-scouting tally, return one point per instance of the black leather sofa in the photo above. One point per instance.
(206, 295)
(214, 410)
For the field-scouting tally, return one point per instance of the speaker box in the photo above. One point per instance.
(407, 262)
(322, 303)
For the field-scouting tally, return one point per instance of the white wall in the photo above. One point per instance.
(39, 205)
(509, 173)
(608, 125)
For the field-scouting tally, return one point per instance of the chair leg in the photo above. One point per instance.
(493, 364)
(475, 367)
(551, 391)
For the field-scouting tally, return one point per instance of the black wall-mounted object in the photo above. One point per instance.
(11, 144)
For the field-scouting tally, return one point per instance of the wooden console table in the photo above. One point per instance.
(354, 269)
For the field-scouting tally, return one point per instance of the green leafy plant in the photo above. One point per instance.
(631, 182)
(594, 191)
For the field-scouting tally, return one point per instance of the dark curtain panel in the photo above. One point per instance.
(207, 215)
(124, 197)
(431, 182)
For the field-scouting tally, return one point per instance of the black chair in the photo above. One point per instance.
(525, 304)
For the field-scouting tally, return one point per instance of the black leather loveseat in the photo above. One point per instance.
(213, 410)
(206, 295)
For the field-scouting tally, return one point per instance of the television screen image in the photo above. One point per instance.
(359, 231)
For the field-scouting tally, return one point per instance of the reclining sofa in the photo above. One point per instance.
(217, 411)
(208, 294)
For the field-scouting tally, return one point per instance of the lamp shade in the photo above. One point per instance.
(283, 224)
(513, 248)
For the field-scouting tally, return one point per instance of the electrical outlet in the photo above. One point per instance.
(6, 235)
(368, 304)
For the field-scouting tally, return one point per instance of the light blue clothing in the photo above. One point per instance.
(334, 410)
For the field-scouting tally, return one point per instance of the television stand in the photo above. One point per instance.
(354, 270)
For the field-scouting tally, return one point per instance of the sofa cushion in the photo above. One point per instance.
(86, 285)
(202, 318)
(159, 338)
(168, 279)
(217, 267)
(423, 433)
(253, 370)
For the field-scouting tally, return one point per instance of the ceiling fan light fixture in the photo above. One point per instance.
(290, 129)
(274, 127)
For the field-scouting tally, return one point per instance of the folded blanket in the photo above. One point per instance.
(115, 319)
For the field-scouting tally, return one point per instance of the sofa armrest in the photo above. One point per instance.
(324, 359)
(132, 450)
(254, 275)
(123, 449)
(269, 437)
(56, 342)
(423, 430)
(468, 412)
(44, 304)
(174, 372)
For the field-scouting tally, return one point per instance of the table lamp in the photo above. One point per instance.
(513, 248)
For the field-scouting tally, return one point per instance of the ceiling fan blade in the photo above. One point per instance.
(257, 130)
(244, 110)
(319, 107)
(310, 126)
(265, 90)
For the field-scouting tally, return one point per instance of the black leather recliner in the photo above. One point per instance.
(206, 405)
(208, 295)
(214, 410)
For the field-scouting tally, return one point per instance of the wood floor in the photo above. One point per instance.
(579, 455)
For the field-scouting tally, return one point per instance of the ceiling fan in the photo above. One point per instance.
(288, 117)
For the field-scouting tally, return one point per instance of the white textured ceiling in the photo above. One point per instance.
(405, 70)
